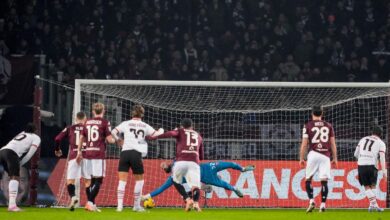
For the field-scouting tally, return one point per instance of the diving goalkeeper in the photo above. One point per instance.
(208, 176)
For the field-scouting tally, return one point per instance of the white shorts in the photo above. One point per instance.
(189, 170)
(74, 170)
(93, 168)
(320, 162)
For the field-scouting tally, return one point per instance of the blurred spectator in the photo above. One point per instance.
(203, 40)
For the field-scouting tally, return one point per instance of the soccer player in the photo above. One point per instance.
(208, 175)
(189, 152)
(134, 148)
(74, 169)
(367, 153)
(95, 134)
(11, 159)
(318, 135)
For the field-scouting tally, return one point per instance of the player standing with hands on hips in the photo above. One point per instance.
(134, 148)
(189, 152)
(11, 159)
(367, 153)
(319, 136)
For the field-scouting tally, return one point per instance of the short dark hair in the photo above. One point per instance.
(168, 169)
(186, 122)
(80, 115)
(30, 128)
(376, 130)
(317, 110)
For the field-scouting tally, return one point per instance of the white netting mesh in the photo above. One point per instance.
(250, 125)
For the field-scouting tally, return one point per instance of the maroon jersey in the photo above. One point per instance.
(95, 132)
(189, 144)
(319, 134)
(73, 134)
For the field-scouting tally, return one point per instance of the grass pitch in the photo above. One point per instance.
(207, 214)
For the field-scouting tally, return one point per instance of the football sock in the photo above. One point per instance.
(138, 192)
(71, 190)
(121, 193)
(95, 187)
(196, 194)
(324, 191)
(180, 188)
(371, 197)
(13, 187)
(88, 192)
(309, 189)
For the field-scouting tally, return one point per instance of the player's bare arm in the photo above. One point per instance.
(334, 151)
(110, 139)
(115, 135)
(382, 158)
(303, 151)
(79, 156)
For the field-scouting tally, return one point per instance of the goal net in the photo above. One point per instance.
(248, 123)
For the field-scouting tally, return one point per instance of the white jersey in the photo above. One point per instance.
(134, 132)
(368, 150)
(22, 143)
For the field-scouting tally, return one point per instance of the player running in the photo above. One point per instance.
(208, 175)
(134, 148)
(74, 169)
(189, 152)
(367, 153)
(95, 134)
(11, 159)
(319, 136)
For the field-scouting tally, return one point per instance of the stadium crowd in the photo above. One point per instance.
(252, 40)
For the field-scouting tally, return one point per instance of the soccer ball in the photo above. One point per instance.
(149, 203)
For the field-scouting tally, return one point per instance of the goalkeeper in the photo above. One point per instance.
(208, 175)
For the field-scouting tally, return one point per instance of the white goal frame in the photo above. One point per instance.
(233, 84)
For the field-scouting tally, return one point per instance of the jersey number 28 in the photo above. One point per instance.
(320, 134)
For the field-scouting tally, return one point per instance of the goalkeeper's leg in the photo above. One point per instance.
(220, 183)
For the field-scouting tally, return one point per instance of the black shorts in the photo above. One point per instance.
(133, 159)
(368, 175)
(10, 161)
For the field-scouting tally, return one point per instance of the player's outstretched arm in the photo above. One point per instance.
(168, 134)
(168, 183)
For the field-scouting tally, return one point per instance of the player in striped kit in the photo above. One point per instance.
(134, 148)
(74, 169)
(11, 157)
(367, 152)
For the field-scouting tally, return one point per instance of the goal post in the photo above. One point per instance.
(256, 123)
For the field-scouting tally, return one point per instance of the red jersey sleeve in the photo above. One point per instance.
(60, 137)
(108, 129)
(168, 134)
